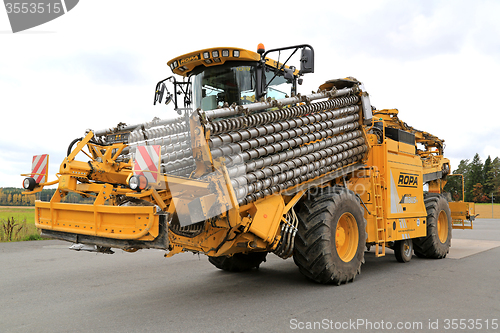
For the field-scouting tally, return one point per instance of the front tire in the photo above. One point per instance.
(331, 237)
(436, 244)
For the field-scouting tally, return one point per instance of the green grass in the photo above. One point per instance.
(24, 219)
(18, 213)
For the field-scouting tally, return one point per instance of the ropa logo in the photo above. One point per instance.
(408, 180)
(189, 59)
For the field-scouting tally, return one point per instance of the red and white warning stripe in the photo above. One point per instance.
(39, 168)
(147, 162)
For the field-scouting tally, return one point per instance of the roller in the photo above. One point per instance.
(294, 168)
(234, 124)
(239, 109)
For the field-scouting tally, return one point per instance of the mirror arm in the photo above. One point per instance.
(280, 68)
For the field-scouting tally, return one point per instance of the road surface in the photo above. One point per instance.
(44, 287)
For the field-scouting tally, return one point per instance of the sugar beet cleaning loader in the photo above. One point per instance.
(250, 166)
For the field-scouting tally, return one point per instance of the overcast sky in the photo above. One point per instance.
(438, 62)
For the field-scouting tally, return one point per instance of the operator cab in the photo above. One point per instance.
(233, 83)
(221, 77)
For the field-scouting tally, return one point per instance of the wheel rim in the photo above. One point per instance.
(442, 227)
(407, 248)
(346, 237)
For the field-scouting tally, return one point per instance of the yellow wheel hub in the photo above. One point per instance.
(442, 226)
(346, 237)
(340, 240)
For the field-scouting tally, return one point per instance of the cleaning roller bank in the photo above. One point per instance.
(250, 166)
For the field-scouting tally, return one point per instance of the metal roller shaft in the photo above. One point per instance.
(300, 130)
(164, 142)
(154, 122)
(282, 172)
(307, 176)
(235, 110)
(233, 124)
(176, 147)
(157, 132)
(286, 155)
(176, 155)
(165, 150)
(177, 165)
(261, 131)
(285, 146)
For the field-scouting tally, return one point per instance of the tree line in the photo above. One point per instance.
(481, 180)
(13, 197)
(10, 196)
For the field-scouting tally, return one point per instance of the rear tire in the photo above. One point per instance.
(331, 237)
(436, 244)
(239, 262)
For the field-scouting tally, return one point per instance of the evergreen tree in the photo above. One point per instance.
(493, 179)
(474, 176)
(488, 182)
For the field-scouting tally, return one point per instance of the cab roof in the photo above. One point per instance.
(184, 64)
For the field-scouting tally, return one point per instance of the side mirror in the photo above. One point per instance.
(307, 61)
(159, 93)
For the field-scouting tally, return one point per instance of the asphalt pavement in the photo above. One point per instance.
(45, 287)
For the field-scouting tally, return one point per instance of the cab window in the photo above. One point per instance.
(230, 83)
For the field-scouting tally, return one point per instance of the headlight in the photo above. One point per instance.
(29, 184)
(138, 182)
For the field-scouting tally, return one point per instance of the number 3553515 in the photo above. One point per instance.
(32, 8)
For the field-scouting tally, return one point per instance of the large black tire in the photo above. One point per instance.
(331, 237)
(436, 244)
(239, 262)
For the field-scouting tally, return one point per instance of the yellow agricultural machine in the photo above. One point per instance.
(250, 166)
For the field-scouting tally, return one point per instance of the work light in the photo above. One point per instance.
(29, 183)
(138, 182)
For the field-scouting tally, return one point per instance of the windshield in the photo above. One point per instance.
(278, 86)
(217, 85)
(232, 83)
